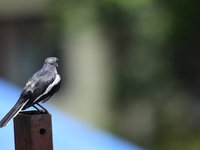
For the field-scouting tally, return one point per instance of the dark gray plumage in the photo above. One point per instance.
(40, 87)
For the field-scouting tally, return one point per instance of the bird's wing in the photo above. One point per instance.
(38, 84)
(51, 89)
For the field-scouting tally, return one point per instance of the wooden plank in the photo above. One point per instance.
(33, 131)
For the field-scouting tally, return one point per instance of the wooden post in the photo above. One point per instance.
(33, 131)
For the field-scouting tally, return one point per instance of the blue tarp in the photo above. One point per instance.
(68, 132)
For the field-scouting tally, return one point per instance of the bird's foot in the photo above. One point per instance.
(44, 109)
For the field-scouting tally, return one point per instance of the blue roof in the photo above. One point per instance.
(68, 132)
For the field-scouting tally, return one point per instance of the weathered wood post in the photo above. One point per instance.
(33, 131)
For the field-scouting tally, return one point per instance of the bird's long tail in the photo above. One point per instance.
(12, 113)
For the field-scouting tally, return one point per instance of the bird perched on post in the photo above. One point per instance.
(40, 87)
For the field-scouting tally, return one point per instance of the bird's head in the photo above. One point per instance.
(52, 61)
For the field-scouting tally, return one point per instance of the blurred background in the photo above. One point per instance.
(131, 67)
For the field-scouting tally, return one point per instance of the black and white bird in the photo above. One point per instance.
(39, 88)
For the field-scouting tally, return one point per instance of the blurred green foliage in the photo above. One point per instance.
(155, 47)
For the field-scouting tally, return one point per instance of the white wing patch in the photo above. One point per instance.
(30, 85)
(56, 81)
